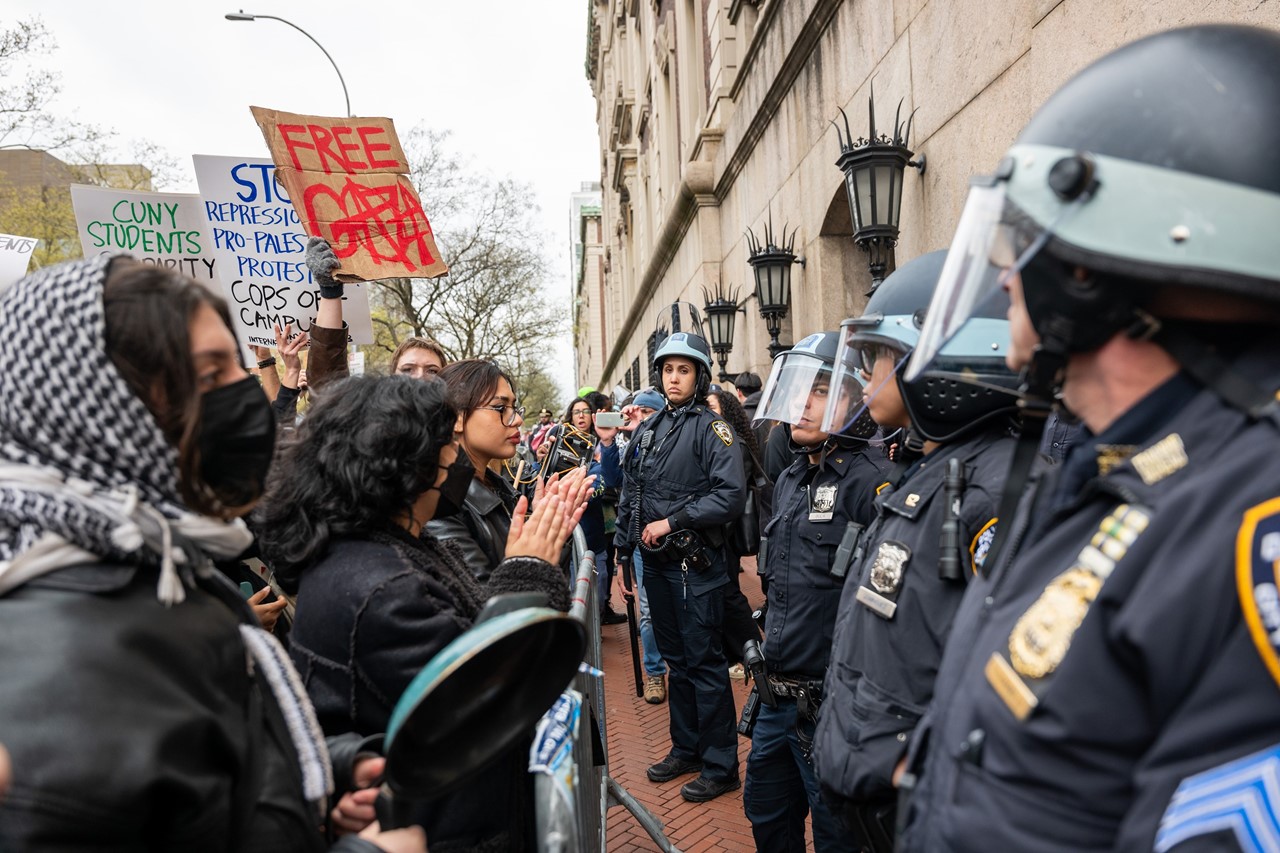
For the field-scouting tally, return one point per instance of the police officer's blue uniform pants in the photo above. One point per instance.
(781, 788)
(653, 664)
(700, 702)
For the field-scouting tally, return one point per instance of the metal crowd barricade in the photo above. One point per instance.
(572, 817)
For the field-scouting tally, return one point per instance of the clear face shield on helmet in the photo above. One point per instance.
(862, 341)
(677, 317)
(798, 390)
(986, 252)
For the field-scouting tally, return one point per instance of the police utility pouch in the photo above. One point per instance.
(844, 553)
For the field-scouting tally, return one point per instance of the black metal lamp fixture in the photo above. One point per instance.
(721, 313)
(873, 172)
(771, 264)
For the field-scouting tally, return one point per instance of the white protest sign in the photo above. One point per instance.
(15, 254)
(259, 242)
(165, 229)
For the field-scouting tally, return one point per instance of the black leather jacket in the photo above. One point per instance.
(135, 727)
(480, 530)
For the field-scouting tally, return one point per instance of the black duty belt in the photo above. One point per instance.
(791, 687)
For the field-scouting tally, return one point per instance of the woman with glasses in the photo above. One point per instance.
(488, 431)
(376, 600)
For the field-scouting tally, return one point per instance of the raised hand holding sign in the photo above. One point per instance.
(348, 181)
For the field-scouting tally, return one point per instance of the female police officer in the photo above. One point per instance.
(933, 527)
(822, 501)
(1115, 684)
(683, 481)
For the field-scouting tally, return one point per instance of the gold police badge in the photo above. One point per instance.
(1043, 634)
(886, 571)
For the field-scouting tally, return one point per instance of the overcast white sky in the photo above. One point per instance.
(505, 76)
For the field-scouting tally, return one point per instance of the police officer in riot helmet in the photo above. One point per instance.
(822, 502)
(1116, 683)
(934, 525)
(683, 481)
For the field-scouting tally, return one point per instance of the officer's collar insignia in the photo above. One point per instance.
(1111, 456)
(1161, 459)
(1042, 636)
(880, 488)
(1258, 579)
(824, 498)
(912, 499)
(981, 544)
(723, 432)
(1241, 797)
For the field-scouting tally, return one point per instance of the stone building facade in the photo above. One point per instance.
(715, 118)
(587, 276)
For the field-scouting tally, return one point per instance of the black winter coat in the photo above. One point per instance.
(132, 725)
(480, 530)
(369, 617)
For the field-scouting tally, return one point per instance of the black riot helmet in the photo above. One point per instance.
(801, 384)
(966, 385)
(1152, 168)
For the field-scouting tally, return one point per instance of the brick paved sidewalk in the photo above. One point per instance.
(638, 737)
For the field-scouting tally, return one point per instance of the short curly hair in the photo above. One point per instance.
(369, 446)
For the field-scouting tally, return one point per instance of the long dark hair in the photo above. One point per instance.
(591, 410)
(737, 418)
(148, 312)
(369, 446)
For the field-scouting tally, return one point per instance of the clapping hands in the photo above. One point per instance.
(558, 504)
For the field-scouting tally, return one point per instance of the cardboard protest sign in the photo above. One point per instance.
(166, 229)
(259, 242)
(15, 254)
(348, 181)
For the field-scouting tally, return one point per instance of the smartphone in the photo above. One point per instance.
(609, 419)
(246, 589)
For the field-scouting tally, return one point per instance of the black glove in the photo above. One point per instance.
(322, 262)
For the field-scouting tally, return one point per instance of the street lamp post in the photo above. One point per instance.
(873, 169)
(771, 265)
(242, 15)
(721, 311)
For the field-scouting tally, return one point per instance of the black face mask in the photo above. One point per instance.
(237, 437)
(453, 491)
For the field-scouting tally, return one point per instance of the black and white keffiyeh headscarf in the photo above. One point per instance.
(86, 475)
(85, 472)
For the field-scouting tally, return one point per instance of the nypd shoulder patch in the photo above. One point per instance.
(723, 431)
(981, 544)
(1258, 579)
(1241, 797)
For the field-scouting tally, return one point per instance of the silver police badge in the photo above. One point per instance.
(886, 571)
(822, 504)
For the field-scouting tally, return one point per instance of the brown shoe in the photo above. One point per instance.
(655, 690)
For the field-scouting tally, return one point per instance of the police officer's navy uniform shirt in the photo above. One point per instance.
(896, 613)
(693, 476)
(802, 543)
(1112, 686)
